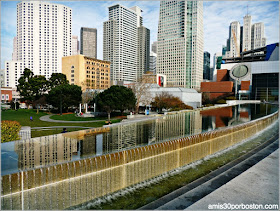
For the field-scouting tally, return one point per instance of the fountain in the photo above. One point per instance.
(63, 185)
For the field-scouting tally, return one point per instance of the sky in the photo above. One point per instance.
(217, 16)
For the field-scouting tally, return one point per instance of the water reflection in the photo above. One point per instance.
(61, 148)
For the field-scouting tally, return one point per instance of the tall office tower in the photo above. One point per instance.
(88, 39)
(143, 51)
(246, 41)
(234, 39)
(123, 37)
(154, 47)
(153, 62)
(14, 55)
(180, 43)
(206, 65)
(75, 45)
(258, 39)
(43, 36)
(224, 50)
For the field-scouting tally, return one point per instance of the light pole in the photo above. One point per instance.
(15, 104)
(95, 94)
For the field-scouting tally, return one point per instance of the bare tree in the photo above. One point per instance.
(142, 93)
(87, 96)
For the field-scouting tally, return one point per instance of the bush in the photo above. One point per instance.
(231, 98)
(9, 131)
(221, 101)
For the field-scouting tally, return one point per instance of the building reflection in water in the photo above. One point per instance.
(44, 151)
(49, 150)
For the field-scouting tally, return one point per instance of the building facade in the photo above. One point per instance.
(88, 38)
(89, 73)
(143, 52)
(244, 38)
(247, 25)
(75, 45)
(44, 33)
(206, 66)
(124, 43)
(14, 55)
(180, 43)
(154, 47)
(258, 39)
(2, 77)
(13, 71)
(153, 62)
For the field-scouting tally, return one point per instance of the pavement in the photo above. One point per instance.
(258, 185)
(252, 178)
(47, 118)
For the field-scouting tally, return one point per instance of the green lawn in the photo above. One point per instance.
(23, 117)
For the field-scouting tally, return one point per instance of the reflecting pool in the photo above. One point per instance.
(61, 148)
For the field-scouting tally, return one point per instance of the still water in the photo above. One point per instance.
(50, 150)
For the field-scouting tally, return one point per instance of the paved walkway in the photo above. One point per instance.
(48, 119)
(258, 185)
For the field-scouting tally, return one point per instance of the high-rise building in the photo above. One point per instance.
(143, 51)
(43, 36)
(234, 39)
(124, 37)
(75, 45)
(14, 55)
(206, 65)
(258, 39)
(154, 47)
(244, 38)
(246, 41)
(180, 43)
(153, 62)
(88, 39)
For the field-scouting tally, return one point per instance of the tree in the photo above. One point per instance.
(31, 87)
(116, 98)
(142, 93)
(57, 79)
(168, 101)
(64, 96)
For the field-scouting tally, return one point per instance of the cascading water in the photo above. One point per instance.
(64, 185)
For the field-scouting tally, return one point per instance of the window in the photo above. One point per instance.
(7, 97)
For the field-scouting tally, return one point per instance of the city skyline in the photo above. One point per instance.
(217, 18)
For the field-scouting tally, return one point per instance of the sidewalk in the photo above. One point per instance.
(257, 185)
(48, 119)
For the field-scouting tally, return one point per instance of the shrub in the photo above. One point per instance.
(231, 98)
(221, 101)
(9, 131)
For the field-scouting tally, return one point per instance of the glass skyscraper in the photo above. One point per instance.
(180, 43)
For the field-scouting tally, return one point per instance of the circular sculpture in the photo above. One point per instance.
(240, 71)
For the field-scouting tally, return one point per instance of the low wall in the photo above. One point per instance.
(73, 183)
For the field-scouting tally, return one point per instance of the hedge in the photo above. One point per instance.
(9, 131)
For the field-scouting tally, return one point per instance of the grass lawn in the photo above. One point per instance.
(23, 117)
